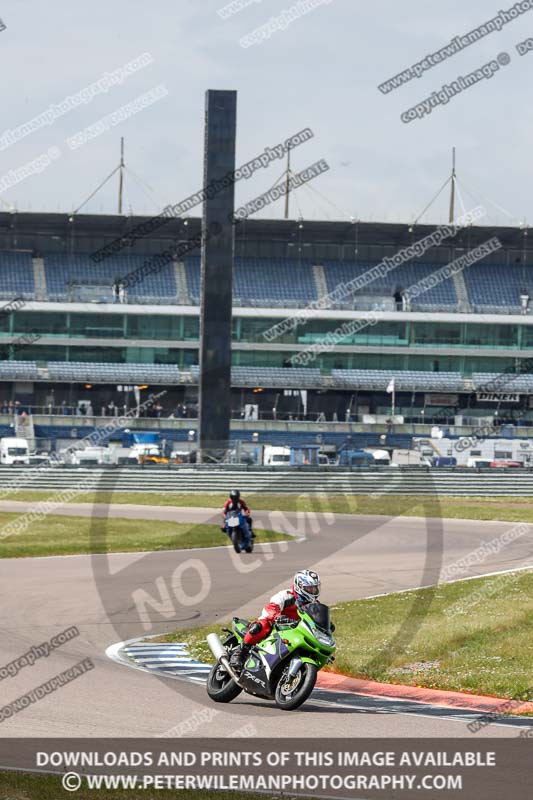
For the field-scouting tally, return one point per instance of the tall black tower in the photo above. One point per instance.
(217, 274)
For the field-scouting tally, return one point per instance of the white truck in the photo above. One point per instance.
(276, 456)
(402, 457)
(86, 456)
(14, 450)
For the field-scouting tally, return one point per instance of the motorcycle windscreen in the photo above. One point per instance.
(319, 613)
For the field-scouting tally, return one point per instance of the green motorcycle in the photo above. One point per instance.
(283, 667)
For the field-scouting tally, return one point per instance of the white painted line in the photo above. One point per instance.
(150, 653)
(177, 662)
(292, 538)
(114, 652)
(192, 670)
(155, 645)
(180, 655)
(468, 716)
(144, 647)
(446, 583)
(143, 651)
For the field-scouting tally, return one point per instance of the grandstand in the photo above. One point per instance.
(497, 286)
(443, 349)
(62, 272)
(263, 282)
(16, 275)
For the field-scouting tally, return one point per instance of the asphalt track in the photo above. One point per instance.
(115, 597)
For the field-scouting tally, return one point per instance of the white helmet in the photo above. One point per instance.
(306, 586)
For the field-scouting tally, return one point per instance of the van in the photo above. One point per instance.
(276, 456)
(444, 461)
(381, 458)
(14, 451)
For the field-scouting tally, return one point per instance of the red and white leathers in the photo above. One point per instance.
(230, 505)
(233, 505)
(281, 604)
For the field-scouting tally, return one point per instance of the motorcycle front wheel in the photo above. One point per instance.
(220, 685)
(291, 693)
(236, 538)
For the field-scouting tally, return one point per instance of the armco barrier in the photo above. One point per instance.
(195, 480)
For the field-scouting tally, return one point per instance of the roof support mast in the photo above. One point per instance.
(452, 189)
(121, 175)
(287, 184)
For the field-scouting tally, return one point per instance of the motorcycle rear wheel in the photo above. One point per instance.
(303, 683)
(220, 685)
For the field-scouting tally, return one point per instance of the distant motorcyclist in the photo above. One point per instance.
(236, 503)
(305, 589)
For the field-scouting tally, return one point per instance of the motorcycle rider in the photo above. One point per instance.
(236, 503)
(305, 589)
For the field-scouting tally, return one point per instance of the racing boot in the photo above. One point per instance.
(239, 656)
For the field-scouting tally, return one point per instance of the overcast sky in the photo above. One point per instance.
(321, 72)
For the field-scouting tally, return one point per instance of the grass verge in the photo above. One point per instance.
(470, 636)
(21, 786)
(56, 535)
(515, 509)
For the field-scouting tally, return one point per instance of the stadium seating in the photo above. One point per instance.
(273, 377)
(307, 377)
(497, 286)
(290, 283)
(263, 281)
(290, 377)
(113, 373)
(503, 382)
(64, 271)
(18, 370)
(442, 295)
(404, 380)
(293, 377)
(16, 276)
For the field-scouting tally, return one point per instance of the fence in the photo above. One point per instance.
(193, 479)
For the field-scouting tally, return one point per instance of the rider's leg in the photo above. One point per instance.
(257, 631)
(249, 521)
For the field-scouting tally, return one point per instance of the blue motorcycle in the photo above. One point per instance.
(239, 532)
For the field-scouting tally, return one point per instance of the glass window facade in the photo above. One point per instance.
(46, 323)
(420, 341)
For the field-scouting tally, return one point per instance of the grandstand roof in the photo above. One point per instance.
(85, 233)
